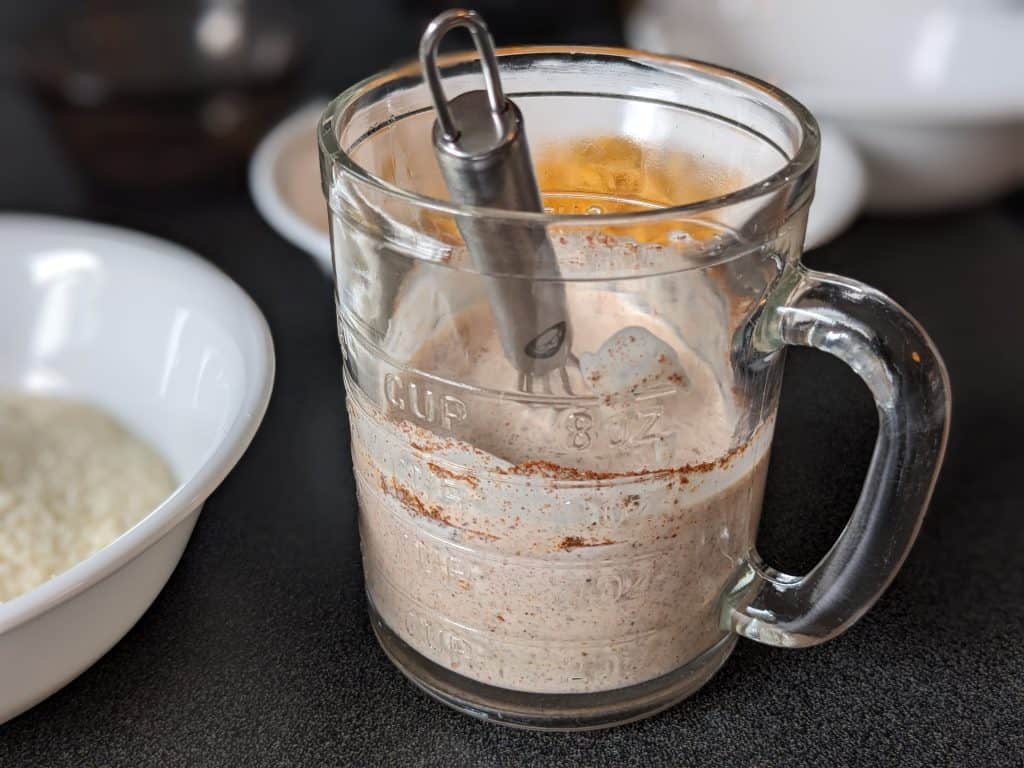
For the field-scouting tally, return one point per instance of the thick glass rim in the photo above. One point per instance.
(795, 167)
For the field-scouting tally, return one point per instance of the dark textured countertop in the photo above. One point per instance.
(259, 653)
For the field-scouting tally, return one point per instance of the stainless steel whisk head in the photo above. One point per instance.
(527, 380)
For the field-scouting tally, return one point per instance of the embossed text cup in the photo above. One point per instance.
(582, 554)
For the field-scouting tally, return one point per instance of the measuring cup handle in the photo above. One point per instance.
(886, 347)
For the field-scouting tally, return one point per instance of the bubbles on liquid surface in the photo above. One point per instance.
(631, 360)
(594, 210)
(717, 242)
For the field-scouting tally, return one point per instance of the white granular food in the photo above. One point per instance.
(72, 480)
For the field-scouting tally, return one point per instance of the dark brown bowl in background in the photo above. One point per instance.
(148, 99)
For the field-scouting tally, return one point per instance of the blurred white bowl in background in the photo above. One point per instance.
(931, 91)
(179, 354)
(839, 191)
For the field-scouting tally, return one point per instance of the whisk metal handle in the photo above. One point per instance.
(429, 43)
(481, 149)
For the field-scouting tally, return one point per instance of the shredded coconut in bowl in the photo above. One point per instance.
(72, 479)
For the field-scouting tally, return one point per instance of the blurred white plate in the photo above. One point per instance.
(286, 161)
(284, 180)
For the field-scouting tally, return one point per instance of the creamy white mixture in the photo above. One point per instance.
(71, 481)
(571, 547)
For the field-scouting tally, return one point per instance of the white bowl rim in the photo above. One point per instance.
(192, 491)
(896, 101)
(267, 195)
(912, 107)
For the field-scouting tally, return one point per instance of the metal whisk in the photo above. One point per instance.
(481, 148)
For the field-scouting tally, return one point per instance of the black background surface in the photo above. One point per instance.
(258, 652)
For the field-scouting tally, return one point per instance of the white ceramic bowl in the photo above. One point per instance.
(181, 355)
(930, 91)
(839, 198)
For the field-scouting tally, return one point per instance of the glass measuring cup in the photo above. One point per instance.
(581, 557)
